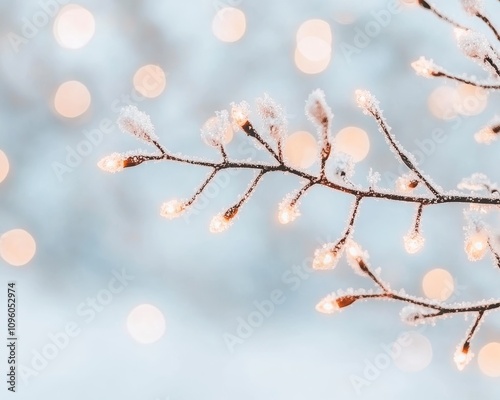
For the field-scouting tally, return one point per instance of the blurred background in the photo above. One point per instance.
(116, 302)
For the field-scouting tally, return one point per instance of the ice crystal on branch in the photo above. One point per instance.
(367, 102)
(172, 209)
(425, 67)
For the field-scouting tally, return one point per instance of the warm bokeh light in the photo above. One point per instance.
(416, 353)
(443, 102)
(146, 324)
(354, 142)
(301, 149)
(489, 359)
(438, 284)
(74, 26)
(229, 24)
(4, 166)
(72, 99)
(212, 122)
(471, 100)
(17, 247)
(150, 80)
(315, 28)
(314, 46)
(344, 18)
(310, 67)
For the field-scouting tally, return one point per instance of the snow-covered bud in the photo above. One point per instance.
(476, 46)
(318, 111)
(476, 245)
(136, 123)
(331, 303)
(240, 113)
(327, 257)
(425, 67)
(223, 221)
(487, 134)
(473, 7)
(172, 209)
(217, 129)
(286, 212)
(413, 241)
(406, 183)
(116, 162)
(273, 116)
(462, 356)
(367, 102)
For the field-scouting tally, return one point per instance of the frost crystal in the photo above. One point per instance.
(136, 123)
(488, 134)
(216, 129)
(220, 223)
(473, 7)
(373, 178)
(317, 110)
(367, 102)
(343, 164)
(286, 212)
(273, 116)
(424, 67)
(414, 242)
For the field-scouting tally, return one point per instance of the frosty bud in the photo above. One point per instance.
(406, 184)
(476, 246)
(116, 162)
(240, 113)
(287, 213)
(217, 130)
(328, 305)
(476, 46)
(487, 134)
(273, 116)
(366, 101)
(136, 123)
(462, 356)
(172, 209)
(326, 257)
(317, 110)
(424, 67)
(220, 223)
(473, 7)
(414, 242)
